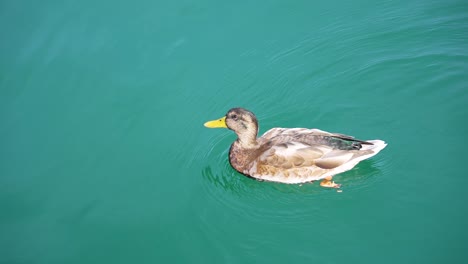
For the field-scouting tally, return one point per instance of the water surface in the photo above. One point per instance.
(105, 159)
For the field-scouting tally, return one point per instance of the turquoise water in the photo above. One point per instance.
(104, 157)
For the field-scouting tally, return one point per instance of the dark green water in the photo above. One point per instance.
(104, 157)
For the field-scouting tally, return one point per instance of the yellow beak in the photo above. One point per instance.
(217, 123)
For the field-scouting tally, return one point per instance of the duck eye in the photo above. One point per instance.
(234, 116)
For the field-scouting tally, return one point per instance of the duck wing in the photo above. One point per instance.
(314, 137)
(304, 155)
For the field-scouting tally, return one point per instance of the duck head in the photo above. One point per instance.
(242, 122)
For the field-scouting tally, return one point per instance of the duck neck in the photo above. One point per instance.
(247, 139)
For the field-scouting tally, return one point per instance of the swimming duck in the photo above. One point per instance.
(292, 155)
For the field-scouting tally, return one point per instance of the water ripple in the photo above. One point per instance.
(293, 204)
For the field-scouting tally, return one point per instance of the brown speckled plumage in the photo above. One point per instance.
(293, 155)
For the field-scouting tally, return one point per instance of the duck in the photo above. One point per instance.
(291, 155)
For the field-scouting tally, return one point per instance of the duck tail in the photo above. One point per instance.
(375, 145)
